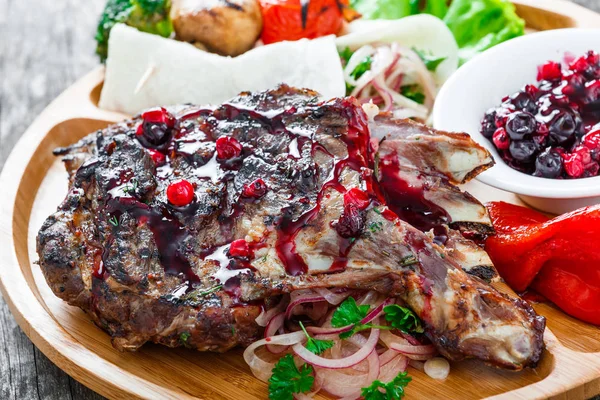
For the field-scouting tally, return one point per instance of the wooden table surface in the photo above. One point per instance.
(44, 47)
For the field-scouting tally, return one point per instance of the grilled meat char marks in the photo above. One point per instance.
(146, 270)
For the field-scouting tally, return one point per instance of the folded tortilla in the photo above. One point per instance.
(144, 70)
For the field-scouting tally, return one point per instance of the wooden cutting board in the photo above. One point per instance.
(33, 183)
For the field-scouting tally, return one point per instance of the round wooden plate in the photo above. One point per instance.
(34, 182)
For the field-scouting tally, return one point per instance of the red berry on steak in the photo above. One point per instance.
(228, 147)
(158, 157)
(239, 248)
(501, 139)
(255, 189)
(357, 197)
(180, 193)
(156, 128)
(351, 222)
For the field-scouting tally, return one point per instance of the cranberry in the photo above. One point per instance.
(523, 150)
(351, 222)
(501, 139)
(239, 248)
(575, 85)
(228, 147)
(158, 157)
(592, 140)
(573, 165)
(550, 71)
(357, 197)
(564, 125)
(520, 124)
(156, 128)
(180, 193)
(159, 115)
(548, 164)
(255, 189)
(488, 124)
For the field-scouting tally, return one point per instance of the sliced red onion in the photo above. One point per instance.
(272, 327)
(437, 368)
(377, 311)
(265, 316)
(390, 370)
(346, 362)
(328, 331)
(349, 386)
(414, 352)
(331, 297)
(309, 298)
(260, 368)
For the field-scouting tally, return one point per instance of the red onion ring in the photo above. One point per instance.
(300, 300)
(272, 327)
(346, 362)
(331, 297)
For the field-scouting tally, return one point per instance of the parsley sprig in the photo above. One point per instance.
(349, 313)
(403, 319)
(287, 379)
(393, 390)
(315, 345)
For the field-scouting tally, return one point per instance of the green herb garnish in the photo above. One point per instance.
(393, 390)
(403, 319)
(287, 379)
(315, 345)
(349, 313)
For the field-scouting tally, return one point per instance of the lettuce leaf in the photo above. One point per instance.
(477, 25)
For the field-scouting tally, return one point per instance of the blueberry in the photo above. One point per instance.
(520, 124)
(523, 101)
(564, 125)
(523, 150)
(548, 164)
(156, 133)
(488, 123)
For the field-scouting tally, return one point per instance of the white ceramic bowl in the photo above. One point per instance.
(481, 84)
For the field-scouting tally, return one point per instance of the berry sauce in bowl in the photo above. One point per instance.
(551, 129)
(534, 103)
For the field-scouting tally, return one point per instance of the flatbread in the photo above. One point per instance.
(144, 70)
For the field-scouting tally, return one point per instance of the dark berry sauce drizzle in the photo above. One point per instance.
(181, 138)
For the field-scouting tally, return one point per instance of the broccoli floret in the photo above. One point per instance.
(150, 16)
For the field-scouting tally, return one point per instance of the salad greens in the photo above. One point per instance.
(476, 25)
(150, 16)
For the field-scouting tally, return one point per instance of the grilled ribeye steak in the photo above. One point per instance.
(290, 193)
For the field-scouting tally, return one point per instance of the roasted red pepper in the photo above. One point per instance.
(559, 258)
(297, 19)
